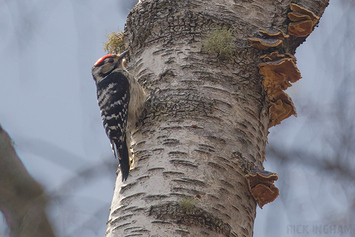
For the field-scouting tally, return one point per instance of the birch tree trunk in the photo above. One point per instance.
(207, 119)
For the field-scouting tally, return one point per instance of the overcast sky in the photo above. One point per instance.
(48, 101)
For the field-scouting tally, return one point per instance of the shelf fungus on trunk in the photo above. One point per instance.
(279, 71)
(278, 74)
(261, 185)
(281, 108)
(274, 34)
(276, 56)
(263, 44)
(303, 21)
(272, 39)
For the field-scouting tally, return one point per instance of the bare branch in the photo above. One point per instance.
(22, 199)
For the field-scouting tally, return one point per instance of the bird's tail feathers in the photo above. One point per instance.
(123, 157)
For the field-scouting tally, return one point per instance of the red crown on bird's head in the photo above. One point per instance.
(102, 59)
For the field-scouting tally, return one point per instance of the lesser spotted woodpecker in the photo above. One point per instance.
(120, 98)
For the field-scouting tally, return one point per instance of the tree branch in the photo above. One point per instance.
(22, 199)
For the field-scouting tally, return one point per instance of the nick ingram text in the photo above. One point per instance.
(319, 229)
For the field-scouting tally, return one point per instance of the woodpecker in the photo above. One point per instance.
(120, 98)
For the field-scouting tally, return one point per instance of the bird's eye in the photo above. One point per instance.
(110, 60)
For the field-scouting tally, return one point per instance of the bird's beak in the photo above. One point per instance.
(122, 55)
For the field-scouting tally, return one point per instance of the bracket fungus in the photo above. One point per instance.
(278, 74)
(304, 11)
(303, 21)
(274, 34)
(265, 43)
(279, 71)
(301, 28)
(295, 16)
(281, 108)
(261, 184)
(274, 56)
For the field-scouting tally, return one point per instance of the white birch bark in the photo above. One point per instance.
(206, 121)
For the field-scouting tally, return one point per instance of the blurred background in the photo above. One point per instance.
(48, 106)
